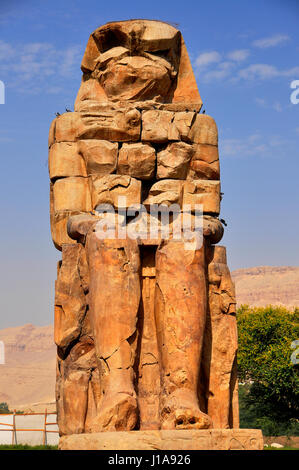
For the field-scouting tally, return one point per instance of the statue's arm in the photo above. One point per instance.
(69, 188)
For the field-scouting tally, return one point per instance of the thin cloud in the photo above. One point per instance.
(263, 104)
(223, 71)
(261, 71)
(207, 58)
(54, 90)
(251, 146)
(277, 141)
(265, 71)
(212, 66)
(271, 41)
(72, 56)
(277, 106)
(4, 137)
(254, 145)
(238, 55)
(6, 50)
(38, 67)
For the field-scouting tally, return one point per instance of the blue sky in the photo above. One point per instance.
(245, 54)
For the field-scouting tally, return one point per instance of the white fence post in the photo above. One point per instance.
(2, 353)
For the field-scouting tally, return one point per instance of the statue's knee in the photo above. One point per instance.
(177, 252)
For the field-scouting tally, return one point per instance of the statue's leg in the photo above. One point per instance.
(114, 297)
(180, 310)
(221, 344)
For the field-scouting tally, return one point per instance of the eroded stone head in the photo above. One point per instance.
(137, 60)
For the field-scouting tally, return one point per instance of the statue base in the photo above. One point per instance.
(203, 439)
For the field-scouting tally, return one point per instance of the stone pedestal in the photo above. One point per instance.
(204, 439)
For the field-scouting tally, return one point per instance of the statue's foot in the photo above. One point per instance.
(117, 412)
(180, 410)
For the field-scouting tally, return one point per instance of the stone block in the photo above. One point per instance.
(205, 162)
(205, 192)
(168, 191)
(100, 156)
(156, 125)
(65, 160)
(66, 128)
(106, 123)
(182, 123)
(173, 162)
(137, 160)
(203, 170)
(205, 152)
(203, 130)
(72, 194)
(51, 138)
(107, 189)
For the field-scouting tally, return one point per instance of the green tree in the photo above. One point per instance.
(4, 408)
(270, 392)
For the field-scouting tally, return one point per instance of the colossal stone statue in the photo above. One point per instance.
(145, 328)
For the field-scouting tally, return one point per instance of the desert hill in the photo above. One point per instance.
(265, 285)
(28, 376)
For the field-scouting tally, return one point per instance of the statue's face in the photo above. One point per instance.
(134, 76)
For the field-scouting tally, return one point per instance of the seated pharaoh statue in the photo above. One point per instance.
(145, 325)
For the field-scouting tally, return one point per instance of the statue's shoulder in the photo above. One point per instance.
(64, 128)
(65, 159)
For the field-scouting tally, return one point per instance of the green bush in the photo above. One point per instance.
(269, 397)
(26, 447)
(4, 408)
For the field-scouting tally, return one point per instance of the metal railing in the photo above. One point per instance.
(15, 427)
